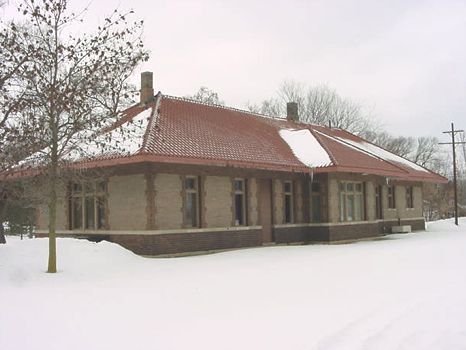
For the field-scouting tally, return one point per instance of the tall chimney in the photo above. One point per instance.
(147, 87)
(292, 111)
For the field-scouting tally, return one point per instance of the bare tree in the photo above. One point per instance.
(400, 145)
(319, 105)
(426, 152)
(3, 208)
(75, 85)
(15, 135)
(206, 95)
(463, 145)
(12, 94)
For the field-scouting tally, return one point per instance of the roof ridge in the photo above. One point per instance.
(234, 109)
(150, 124)
(365, 151)
(316, 133)
(386, 150)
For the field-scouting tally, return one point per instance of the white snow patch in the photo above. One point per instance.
(126, 139)
(405, 291)
(381, 153)
(306, 148)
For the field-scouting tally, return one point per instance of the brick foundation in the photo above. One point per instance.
(340, 232)
(187, 242)
(174, 243)
(301, 234)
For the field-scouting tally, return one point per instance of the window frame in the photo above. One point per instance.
(89, 190)
(409, 195)
(315, 195)
(351, 198)
(243, 193)
(187, 192)
(288, 198)
(391, 197)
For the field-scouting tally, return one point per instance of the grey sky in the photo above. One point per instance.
(404, 60)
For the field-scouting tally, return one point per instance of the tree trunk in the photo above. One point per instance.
(2, 216)
(2, 234)
(52, 264)
(53, 182)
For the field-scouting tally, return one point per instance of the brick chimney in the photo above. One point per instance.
(147, 87)
(292, 111)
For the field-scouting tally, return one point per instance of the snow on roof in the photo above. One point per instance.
(124, 140)
(381, 153)
(306, 148)
(127, 138)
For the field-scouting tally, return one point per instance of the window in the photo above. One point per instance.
(409, 197)
(378, 202)
(88, 205)
(288, 191)
(391, 197)
(240, 201)
(315, 202)
(191, 201)
(351, 201)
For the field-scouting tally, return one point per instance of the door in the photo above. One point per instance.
(265, 210)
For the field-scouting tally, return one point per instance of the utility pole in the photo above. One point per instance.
(453, 142)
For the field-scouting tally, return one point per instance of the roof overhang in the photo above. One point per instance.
(159, 159)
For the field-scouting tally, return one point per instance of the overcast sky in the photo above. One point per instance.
(404, 60)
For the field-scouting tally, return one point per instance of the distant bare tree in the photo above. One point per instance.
(319, 105)
(422, 150)
(206, 95)
(400, 145)
(463, 145)
(426, 152)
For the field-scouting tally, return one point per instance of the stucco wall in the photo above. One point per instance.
(218, 201)
(400, 201)
(168, 201)
(388, 214)
(370, 200)
(370, 182)
(127, 202)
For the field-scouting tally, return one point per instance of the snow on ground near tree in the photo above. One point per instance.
(400, 292)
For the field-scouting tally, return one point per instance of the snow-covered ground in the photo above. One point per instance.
(401, 292)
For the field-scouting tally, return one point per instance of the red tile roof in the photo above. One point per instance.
(185, 129)
(182, 131)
